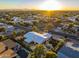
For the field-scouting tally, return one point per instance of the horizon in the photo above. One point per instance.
(36, 10)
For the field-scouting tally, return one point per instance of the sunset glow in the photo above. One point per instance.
(50, 5)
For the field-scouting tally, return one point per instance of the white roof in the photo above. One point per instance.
(72, 18)
(2, 24)
(38, 34)
(47, 35)
(10, 26)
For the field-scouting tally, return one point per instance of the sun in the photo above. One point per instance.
(50, 5)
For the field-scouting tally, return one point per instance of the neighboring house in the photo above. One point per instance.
(19, 38)
(16, 19)
(47, 35)
(2, 47)
(76, 28)
(72, 18)
(36, 37)
(30, 21)
(10, 44)
(70, 50)
(6, 52)
(58, 29)
(57, 37)
(2, 24)
(9, 28)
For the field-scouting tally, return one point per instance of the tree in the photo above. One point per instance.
(7, 17)
(35, 28)
(14, 33)
(66, 15)
(21, 32)
(21, 23)
(71, 25)
(49, 26)
(3, 37)
(39, 51)
(2, 29)
(51, 54)
(58, 21)
(28, 23)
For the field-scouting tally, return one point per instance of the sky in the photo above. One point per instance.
(34, 4)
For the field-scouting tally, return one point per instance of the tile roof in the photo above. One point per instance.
(2, 47)
(9, 43)
(8, 54)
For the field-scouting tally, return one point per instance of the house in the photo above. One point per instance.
(57, 37)
(12, 45)
(19, 38)
(70, 50)
(30, 21)
(9, 43)
(36, 37)
(6, 52)
(72, 18)
(2, 24)
(16, 19)
(2, 47)
(58, 29)
(9, 28)
(75, 28)
(47, 35)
